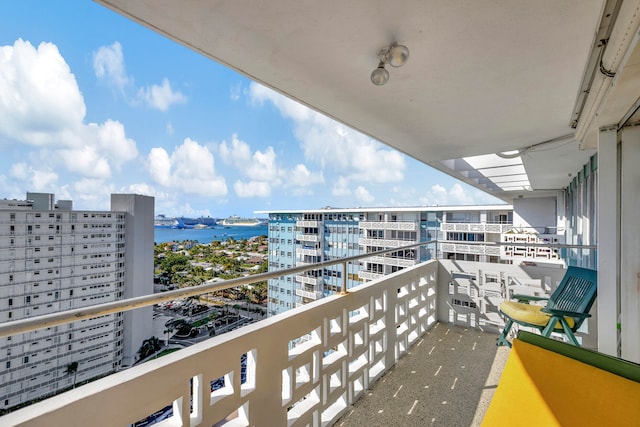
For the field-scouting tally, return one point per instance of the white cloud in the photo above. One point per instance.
(35, 179)
(190, 168)
(112, 142)
(301, 176)
(263, 166)
(334, 146)
(288, 108)
(108, 64)
(89, 186)
(85, 161)
(456, 195)
(40, 102)
(235, 92)
(237, 153)
(252, 189)
(363, 195)
(341, 187)
(161, 97)
(41, 105)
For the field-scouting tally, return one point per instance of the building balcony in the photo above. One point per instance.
(308, 223)
(309, 252)
(309, 280)
(383, 243)
(391, 225)
(471, 248)
(475, 227)
(313, 295)
(308, 238)
(308, 366)
(396, 262)
(369, 275)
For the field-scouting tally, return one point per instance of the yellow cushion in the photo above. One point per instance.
(530, 313)
(541, 388)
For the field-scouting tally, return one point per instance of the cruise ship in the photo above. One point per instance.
(161, 221)
(244, 222)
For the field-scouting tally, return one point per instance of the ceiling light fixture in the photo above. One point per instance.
(395, 55)
(380, 75)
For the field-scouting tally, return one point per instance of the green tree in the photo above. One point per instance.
(148, 347)
(175, 262)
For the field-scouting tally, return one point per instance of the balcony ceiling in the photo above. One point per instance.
(483, 76)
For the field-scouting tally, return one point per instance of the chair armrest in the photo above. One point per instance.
(527, 298)
(564, 313)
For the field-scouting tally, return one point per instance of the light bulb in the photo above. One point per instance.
(397, 55)
(380, 75)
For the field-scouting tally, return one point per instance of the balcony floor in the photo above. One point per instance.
(447, 379)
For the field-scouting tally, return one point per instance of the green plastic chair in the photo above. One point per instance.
(565, 311)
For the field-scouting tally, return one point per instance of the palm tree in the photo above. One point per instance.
(168, 331)
(72, 368)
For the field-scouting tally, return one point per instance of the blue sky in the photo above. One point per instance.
(92, 103)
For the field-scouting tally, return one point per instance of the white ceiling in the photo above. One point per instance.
(483, 76)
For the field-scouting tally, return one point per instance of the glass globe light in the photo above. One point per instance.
(380, 75)
(398, 55)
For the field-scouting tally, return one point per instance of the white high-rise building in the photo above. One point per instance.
(300, 237)
(52, 259)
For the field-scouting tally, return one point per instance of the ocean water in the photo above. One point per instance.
(207, 235)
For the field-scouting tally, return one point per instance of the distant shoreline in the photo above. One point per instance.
(207, 235)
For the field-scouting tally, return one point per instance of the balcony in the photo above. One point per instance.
(396, 262)
(309, 366)
(313, 295)
(471, 248)
(308, 223)
(308, 238)
(391, 225)
(465, 227)
(383, 243)
(309, 280)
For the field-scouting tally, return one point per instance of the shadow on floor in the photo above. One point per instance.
(447, 379)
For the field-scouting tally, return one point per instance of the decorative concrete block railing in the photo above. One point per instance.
(303, 367)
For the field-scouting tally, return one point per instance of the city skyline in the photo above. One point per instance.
(94, 104)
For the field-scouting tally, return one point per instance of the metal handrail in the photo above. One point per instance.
(55, 319)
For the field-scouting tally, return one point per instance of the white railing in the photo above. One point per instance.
(310, 252)
(391, 225)
(314, 295)
(397, 262)
(368, 275)
(383, 243)
(307, 223)
(473, 227)
(344, 344)
(309, 280)
(308, 237)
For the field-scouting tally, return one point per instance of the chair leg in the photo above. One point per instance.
(546, 332)
(502, 338)
(569, 333)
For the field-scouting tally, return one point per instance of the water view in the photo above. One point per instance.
(207, 235)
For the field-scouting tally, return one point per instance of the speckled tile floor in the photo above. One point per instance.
(447, 379)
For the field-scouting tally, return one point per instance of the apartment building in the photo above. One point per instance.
(53, 258)
(301, 237)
